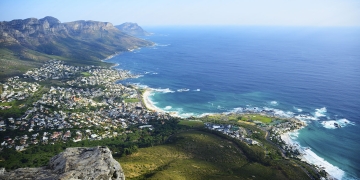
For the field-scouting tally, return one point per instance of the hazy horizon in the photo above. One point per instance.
(201, 12)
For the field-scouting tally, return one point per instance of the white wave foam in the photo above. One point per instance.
(167, 90)
(197, 90)
(167, 108)
(183, 90)
(320, 112)
(278, 112)
(237, 110)
(304, 117)
(312, 158)
(290, 138)
(162, 45)
(298, 109)
(186, 115)
(274, 103)
(340, 123)
(283, 113)
(142, 86)
(220, 107)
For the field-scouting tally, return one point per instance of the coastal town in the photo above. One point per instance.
(86, 97)
(59, 103)
(82, 98)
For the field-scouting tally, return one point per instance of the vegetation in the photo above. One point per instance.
(232, 118)
(85, 74)
(256, 117)
(178, 149)
(122, 145)
(198, 154)
(192, 124)
(131, 100)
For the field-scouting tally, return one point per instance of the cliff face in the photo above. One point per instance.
(74, 163)
(88, 40)
(133, 29)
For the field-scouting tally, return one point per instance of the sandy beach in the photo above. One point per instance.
(310, 157)
(149, 105)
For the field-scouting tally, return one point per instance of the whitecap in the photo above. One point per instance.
(186, 115)
(197, 90)
(320, 112)
(142, 86)
(167, 90)
(304, 117)
(298, 109)
(167, 108)
(309, 156)
(237, 110)
(183, 90)
(274, 103)
(340, 123)
(162, 45)
(312, 158)
(280, 113)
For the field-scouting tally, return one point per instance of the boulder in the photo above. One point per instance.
(94, 163)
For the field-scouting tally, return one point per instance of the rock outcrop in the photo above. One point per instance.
(74, 163)
(133, 29)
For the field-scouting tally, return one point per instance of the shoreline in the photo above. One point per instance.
(310, 157)
(307, 155)
(148, 103)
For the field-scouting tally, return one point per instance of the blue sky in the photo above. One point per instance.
(191, 12)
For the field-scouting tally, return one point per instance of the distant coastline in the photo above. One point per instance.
(253, 90)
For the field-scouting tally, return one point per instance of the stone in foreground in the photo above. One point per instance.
(74, 163)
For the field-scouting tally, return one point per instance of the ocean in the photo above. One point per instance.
(312, 73)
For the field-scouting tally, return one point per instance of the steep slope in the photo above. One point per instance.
(84, 42)
(201, 155)
(133, 29)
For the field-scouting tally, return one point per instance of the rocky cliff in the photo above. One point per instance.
(133, 29)
(74, 163)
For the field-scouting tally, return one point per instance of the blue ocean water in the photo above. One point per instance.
(307, 72)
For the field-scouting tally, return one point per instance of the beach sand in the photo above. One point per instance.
(149, 105)
(310, 157)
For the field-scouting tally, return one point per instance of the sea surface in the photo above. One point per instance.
(312, 73)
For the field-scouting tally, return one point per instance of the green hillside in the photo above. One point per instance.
(197, 154)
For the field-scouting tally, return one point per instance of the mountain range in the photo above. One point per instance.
(29, 42)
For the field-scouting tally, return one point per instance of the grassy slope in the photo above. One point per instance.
(200, 155)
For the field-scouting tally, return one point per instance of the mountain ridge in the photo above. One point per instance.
(81, 42)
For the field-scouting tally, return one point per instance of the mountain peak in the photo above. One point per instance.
(51, 20)
(132, 29)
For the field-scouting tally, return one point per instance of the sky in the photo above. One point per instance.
(190, 12)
